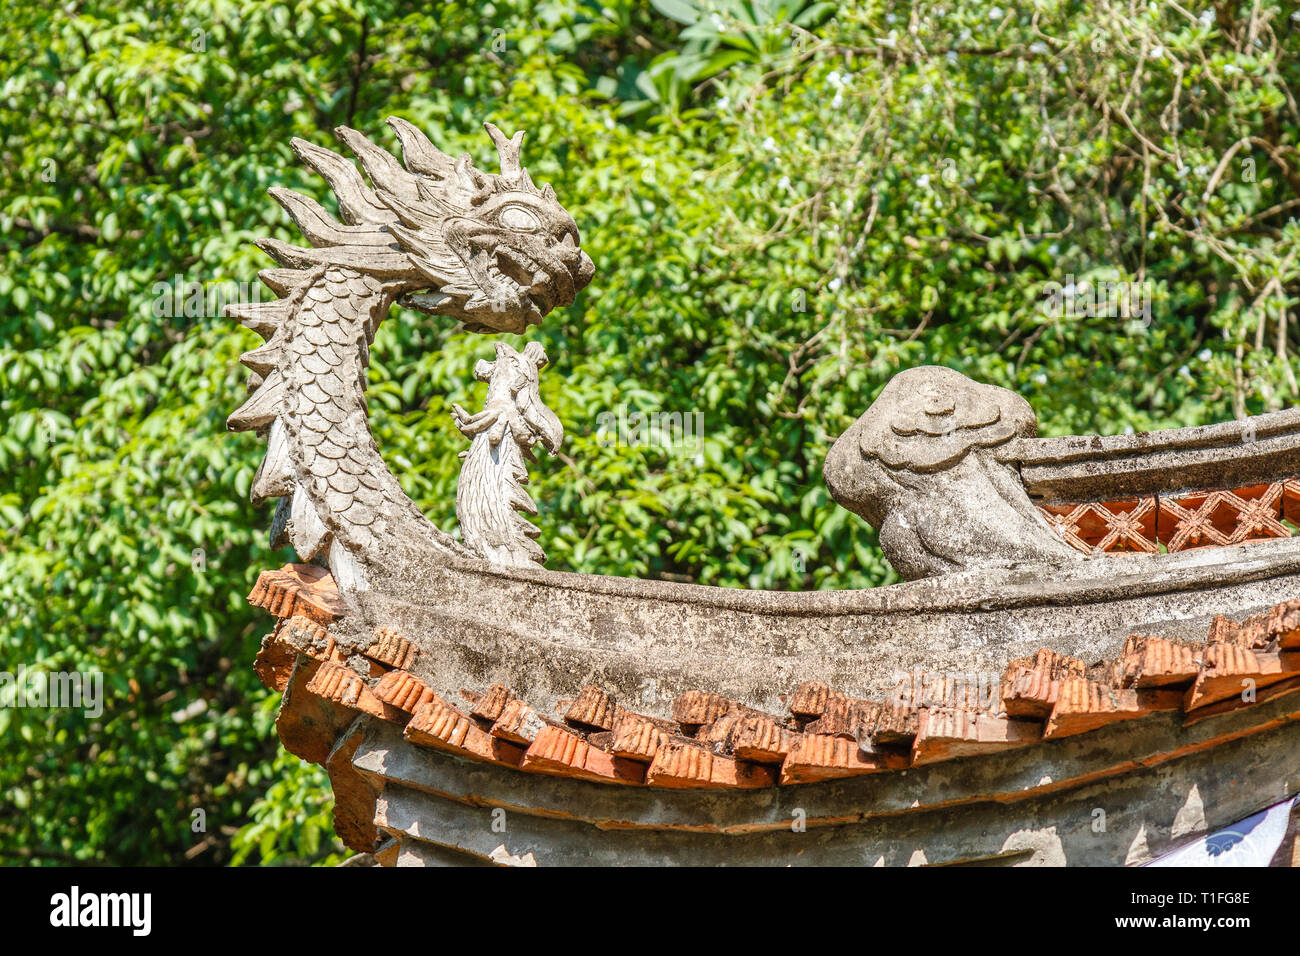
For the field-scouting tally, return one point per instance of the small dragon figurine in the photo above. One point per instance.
(490, 492)
(489, 249)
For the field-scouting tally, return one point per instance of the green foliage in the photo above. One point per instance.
(784, 210)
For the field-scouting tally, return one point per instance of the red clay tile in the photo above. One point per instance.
(684, 765)
(488, 706)
(696, 708)
(557, 750)
(761, 739)
(518, 723)
(846, 717)
(389, 647)
(1148, 662)
(1085, 705)
(402, 690)
(342, 685)
(810, 699)
(946, 733)
(1030, 685)
(440, 726)
(298, 589)
(1231, 670)
(637, 738)
(815, 757)
(595, 707)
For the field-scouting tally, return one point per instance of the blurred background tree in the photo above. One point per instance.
(787, 203)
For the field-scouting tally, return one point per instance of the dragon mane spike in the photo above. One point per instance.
(283, 281)
(420, 155)
(508, 149)
(357, 204)
(387, 174)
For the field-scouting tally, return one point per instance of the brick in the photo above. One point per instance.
(595, 707)
(518, 723)
(947, 733)
(557, 750)
(684, 765)
(488, 706)
(389, 647)
(438, 725)
(1229, 666)
(761, 739)
(815, 757)
(402, 690)
(1085, 705)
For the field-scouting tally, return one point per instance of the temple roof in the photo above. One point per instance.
(1242, 673)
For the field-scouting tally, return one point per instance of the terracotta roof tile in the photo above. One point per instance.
(820, 757)
(595, 707)
(518, 722)
(1277, 628)
(681, 764)
(1155, 662)
(810, 698)
(1085, 705)
(274, 663)
(761, 739)
(342, 685)
(697, 707)
(945, 733)
(308, 636)
(389, 647)
(296, 589)
(560, 751)
(736, 746)
(637, 738)
(1030, 684)
(1232, 670)
(488, 706)
(846, 717)
(439, 725)
(402, 690)
(896, 725)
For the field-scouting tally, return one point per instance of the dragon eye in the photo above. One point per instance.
(519, 219)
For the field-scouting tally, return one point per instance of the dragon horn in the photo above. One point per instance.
(508, 149)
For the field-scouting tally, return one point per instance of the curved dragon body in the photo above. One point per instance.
(491, 250)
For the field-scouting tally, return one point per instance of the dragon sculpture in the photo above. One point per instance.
(488, 249)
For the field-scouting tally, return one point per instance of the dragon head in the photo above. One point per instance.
(489, 249)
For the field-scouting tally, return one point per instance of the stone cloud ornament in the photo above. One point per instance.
(925, 465)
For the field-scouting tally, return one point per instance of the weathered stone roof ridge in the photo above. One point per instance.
(715, 742)
(1024, 585)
